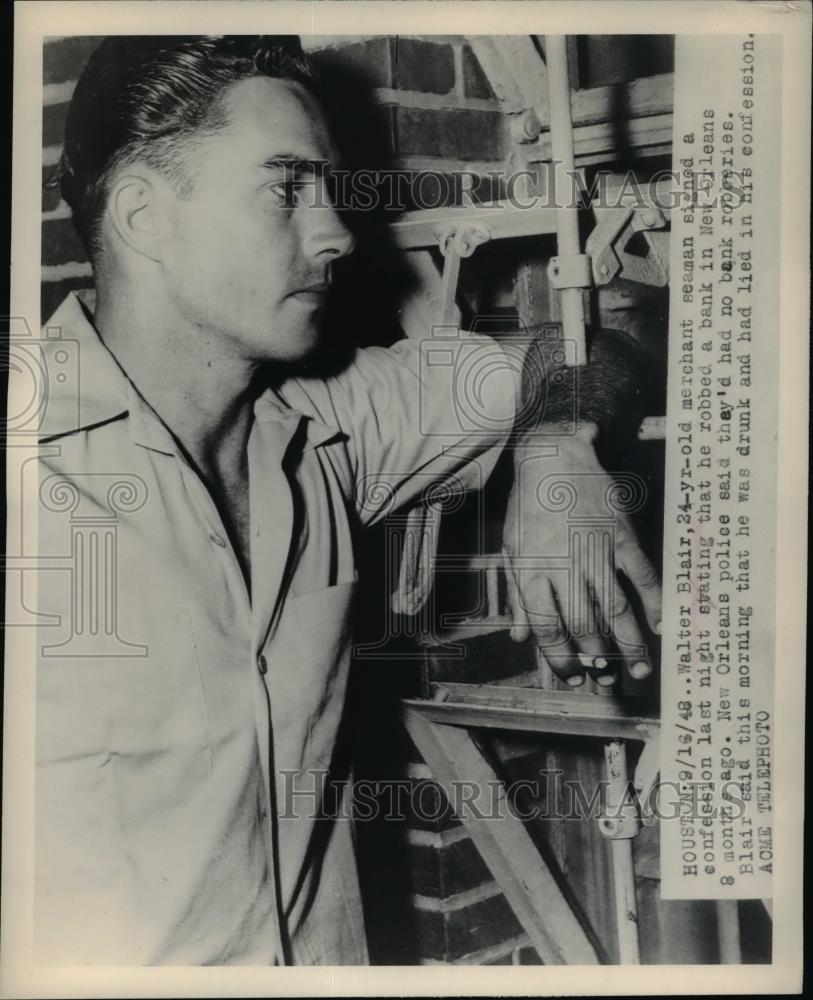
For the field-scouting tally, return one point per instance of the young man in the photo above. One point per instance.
(199, 656)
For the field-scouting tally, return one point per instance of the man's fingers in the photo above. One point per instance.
(554, 644)
(552, 640)
(641, 574)
(620, 618)
(583, 626)
(551, 634)
(520, 627)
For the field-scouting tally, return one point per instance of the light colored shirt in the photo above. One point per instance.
(172, 710)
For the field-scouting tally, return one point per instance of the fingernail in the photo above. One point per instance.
(606, 680)
(576, 680)
(600, 663)
(640, 670)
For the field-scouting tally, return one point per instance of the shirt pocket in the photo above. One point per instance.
(125, 737)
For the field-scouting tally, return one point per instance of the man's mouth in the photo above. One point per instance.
(314, 294)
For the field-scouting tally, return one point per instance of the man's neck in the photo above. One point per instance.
(203, 395)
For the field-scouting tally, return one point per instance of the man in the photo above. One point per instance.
(200, 653)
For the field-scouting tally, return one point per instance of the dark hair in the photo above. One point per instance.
(148, 97)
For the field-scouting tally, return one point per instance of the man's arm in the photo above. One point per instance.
(421, 412)
(564, 504)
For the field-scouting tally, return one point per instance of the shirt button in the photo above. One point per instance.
(262, 663)
(217, 539)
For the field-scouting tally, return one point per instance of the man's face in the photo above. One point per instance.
(249, 251)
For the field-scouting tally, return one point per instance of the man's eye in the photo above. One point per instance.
(290, 194)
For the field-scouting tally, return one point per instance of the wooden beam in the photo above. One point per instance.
(495, 706)
(642, 98)
(500, 219)
(608, 138)
(504, 843)
(433, 102)
(514, 69)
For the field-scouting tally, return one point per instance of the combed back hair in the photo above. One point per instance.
(150, 98)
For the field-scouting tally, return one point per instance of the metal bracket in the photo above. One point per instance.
(619, 827)
(524, 126)
(609, 246)
(570, 271)
(462, 239)
(620, 820)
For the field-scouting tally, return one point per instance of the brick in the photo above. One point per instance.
(429, 189)
(460, 134)
(427, 808)
(53, 124)
(426, 188)
(53, 293)
(475, 82)
(51, 196)
(446, 871)
(423, 66)
(60, 242)
(452, 935)
(488, 188)
(368, 61)
(65, 58)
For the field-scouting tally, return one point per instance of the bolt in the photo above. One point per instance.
(531, 126)
(649, 219)
(604, 270)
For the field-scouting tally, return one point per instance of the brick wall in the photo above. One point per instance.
(64, 263)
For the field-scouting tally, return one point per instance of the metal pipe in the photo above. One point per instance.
(728, 932)
(626, 904)
(567, 213)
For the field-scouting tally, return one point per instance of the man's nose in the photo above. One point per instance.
(327, 235)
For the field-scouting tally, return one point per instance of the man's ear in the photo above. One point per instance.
(136, 211)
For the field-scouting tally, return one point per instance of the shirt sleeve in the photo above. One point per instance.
(417, 414)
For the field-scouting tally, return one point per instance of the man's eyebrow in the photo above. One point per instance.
(296, 164)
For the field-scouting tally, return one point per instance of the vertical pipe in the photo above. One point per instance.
(728, 932)
(567, 217)
(626, 904)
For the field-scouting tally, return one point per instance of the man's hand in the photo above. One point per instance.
(572, 560)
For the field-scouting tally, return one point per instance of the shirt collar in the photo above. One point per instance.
(96, 390)
(84, 386)
(270, 407)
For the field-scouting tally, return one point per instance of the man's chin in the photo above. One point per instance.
(307, 343)
(299, 350)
